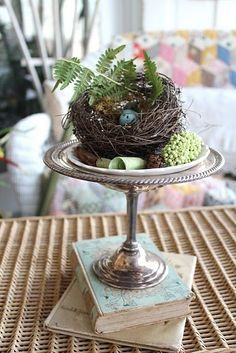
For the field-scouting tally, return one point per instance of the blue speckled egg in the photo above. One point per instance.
(128, 117)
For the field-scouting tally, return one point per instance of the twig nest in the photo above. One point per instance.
(100, 131)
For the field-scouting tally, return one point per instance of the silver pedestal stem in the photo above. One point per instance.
(132, 204)
(131, 266)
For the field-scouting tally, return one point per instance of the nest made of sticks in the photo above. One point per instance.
(99, 131)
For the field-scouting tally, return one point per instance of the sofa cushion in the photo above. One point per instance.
(211, 113)
(26, 147)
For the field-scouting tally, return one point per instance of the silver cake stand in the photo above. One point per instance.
(131, 266)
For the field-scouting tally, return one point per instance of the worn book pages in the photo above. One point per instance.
(71, 318)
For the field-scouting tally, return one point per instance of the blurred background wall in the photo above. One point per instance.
(78, 27)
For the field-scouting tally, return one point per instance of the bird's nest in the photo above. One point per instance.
(98, 129)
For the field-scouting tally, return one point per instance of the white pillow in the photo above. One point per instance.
(211, 112)
(26, 147)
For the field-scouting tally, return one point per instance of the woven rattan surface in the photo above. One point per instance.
(35, 270)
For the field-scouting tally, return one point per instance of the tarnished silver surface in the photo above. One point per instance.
(131, 267)
(56, 159)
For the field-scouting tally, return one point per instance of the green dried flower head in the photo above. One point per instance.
(182, 147)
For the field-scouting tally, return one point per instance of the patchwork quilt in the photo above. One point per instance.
(191, 58)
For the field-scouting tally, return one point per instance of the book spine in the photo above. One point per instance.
(87, 295)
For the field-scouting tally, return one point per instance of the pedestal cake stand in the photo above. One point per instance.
(131, 266)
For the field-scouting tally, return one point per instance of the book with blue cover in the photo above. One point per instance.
(113, 309)
(70, 316)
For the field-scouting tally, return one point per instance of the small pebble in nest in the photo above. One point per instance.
(154, 161)
(128, 117)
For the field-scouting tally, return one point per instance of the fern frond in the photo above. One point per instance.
(131, 73)
(116, 83)
(124, 71)
(65, 71)
(119, 94)
(101, 88)
(82, 82)
(112, 78)
(150, 72)
(97, 89)
(106, 60)
(111, 91)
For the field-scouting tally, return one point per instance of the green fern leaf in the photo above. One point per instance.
(114, 80)
(115, 84)
(150, 72)
(66, 71)
(118, 94)
(131, 74)
(97, 89)
(111, 91)
(124, 71)
(82, 82)
(105, 61)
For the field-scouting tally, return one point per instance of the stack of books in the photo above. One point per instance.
(152, 318)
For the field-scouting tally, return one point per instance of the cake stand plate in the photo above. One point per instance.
(139, 172)
(131, 266)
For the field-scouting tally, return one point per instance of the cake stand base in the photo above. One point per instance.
(131, 267)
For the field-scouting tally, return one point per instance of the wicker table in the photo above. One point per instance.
(35, 271)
